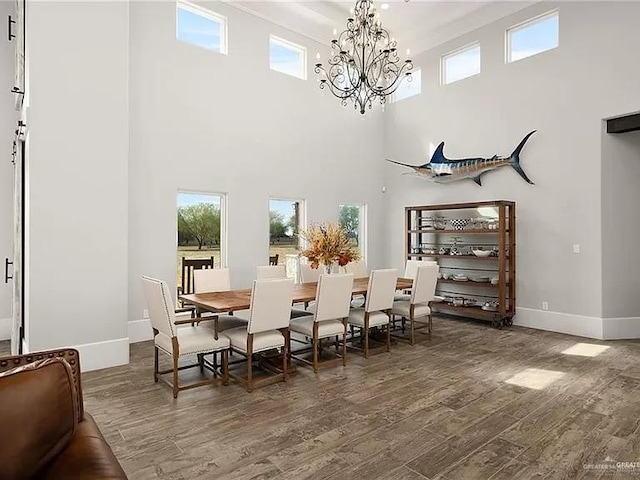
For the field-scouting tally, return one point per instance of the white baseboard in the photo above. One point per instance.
(94, 356)
(5, 328)
(140, 330)
(579, 325)
(620, 328)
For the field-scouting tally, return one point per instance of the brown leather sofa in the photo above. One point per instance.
(45, 432)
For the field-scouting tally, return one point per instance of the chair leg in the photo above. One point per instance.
(388, 337)
(365, 333)
(430, 325)
(225, 367)
(249, 371)
(412, 337)
(201, 362)
(344, 344)
(175, 376)
(315, 353)
(155, 364)
(285, 355)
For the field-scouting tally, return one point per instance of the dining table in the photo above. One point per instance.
(236, 300)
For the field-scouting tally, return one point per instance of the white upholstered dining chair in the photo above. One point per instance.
(215, 280)
(333, 301)
(358, 269)
(264, 272)
(418, 305)
(268, 327)
(377, 308)
(180, 341)
(308, 274)
(410, 271)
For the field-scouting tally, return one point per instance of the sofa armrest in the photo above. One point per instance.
(69, 354)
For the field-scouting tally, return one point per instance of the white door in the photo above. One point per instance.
(18, 239)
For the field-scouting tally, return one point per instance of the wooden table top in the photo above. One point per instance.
(233, 300)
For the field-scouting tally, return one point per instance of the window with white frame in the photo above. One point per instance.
(201, 27)
(460, 64)
(534, 36)
(286, 220)
(287, 57)
(353, 218)
(201, 228)
(410, 85)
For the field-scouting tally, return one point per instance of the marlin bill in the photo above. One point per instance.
(443, 170)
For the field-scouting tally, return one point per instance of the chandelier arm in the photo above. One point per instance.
(403, 72)
(364, 63)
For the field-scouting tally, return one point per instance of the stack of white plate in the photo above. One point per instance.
(480, 279)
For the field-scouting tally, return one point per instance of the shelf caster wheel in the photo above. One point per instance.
(496, 323)
(508, 322)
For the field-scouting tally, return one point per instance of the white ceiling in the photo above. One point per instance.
(416, 24)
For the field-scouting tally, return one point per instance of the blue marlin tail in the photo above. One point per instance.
(514, 159)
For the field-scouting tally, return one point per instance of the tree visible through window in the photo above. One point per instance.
(285, 221)
(352, 219)
(200, 228)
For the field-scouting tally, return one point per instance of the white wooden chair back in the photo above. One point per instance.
(160, 306)
(308, 274)
(270, 304)
(424, 284)
(333, 297)
(382, 288)
(211, 280)
(270, 271)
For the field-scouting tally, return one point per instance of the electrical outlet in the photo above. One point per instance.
(145, 313)
(545, 305)
(576, 248)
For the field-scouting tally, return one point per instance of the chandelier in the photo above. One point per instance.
(363, 64)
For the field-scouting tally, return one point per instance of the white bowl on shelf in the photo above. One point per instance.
(481, 253)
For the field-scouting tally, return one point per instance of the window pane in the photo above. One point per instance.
(285, 222)
(285, 58)
(349, 219)
(462, 64)
(199, 228)
(200, 29)
(409, 88)
(535, 37)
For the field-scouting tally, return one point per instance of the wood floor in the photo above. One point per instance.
(473, 403)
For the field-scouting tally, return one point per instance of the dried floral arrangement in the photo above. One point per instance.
(328, 244)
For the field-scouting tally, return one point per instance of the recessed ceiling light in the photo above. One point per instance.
(384, 6)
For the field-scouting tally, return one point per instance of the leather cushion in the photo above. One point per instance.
(88, 456)
(38, 416)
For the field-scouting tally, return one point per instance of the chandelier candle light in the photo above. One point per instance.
(364, 62)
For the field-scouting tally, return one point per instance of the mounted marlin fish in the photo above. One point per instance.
(443, 170)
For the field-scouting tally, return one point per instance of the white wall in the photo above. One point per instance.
(564, 93)
(620, 225)
(77, 179)
(209, 122)
(8, 118)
